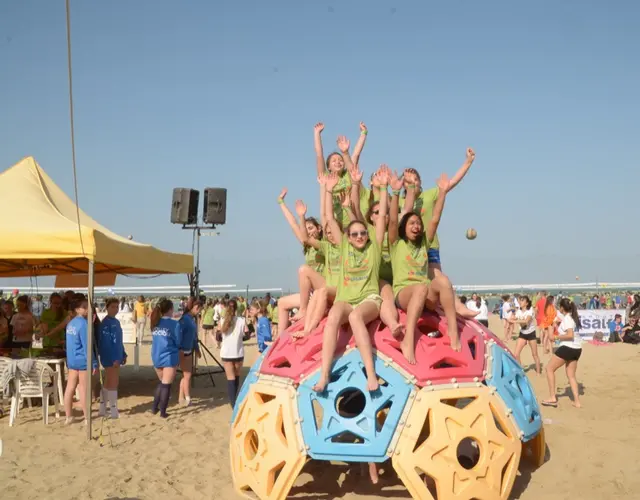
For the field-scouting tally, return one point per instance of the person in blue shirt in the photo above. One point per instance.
(76, 345)
(167, 338)
(189, 344)
(258, 311)
(112, 356)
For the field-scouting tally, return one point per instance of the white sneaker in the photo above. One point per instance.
(115, 414)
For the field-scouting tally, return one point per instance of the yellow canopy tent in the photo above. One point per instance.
(40, 236)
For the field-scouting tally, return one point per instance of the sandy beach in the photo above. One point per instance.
(186, 456)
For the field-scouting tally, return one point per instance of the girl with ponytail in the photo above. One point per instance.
(567, 354)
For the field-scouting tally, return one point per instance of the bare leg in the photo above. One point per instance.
(358, 319)
(533, 345)
(308, 280)
(373, 472)
(82, 385)
(70, 390)
(441, 290)
(412, 299)
(320, 301)
(435, 271)
(520, 343)
(388, 310)
(185, 383)
(338, 315)
(285, 304)
(571, 368)
(552, 366)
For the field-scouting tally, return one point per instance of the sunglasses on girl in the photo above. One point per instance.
(355, 234)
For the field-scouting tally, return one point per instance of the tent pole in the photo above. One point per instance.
(89, 389)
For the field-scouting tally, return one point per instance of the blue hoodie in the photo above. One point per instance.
(167, 337)
(189, 334)
(76, 344)
(111, 345)
(263, 333)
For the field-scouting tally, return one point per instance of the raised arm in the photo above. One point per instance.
(357, 151)
(455, 180)
(381, 221)
(301, 210)
(356, 178)
(343, 146)
(432, 225)
(396, 185)
(336, 232)
(410, 185)
(317, 143)
(289, 216)
(323, 199)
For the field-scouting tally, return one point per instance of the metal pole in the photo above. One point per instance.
(89, 389)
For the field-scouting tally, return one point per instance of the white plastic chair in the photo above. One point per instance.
(4, 365)
(40, 382)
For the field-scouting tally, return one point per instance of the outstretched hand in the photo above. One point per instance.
(471, 155)
(355, 173)
(282, 194)
(343, 144)
(301, 208)
(383, 174)
(363, 128)
(345, 200)
(318, 128)
(443, 182)
(322, 179)
(395, 181)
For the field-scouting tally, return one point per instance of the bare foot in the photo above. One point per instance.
(408, 351)
(299, 315)
(455, 344)
(321, 385)
(372, 384)
(576, 404)
(299, 335)
(373, 473)
(396, 330)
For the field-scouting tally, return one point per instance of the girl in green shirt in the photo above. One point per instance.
(358, 293)
(309, 274)
(409, 242)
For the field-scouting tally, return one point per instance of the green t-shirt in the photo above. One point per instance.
(332, 262)
(386, 272)
(207, 317)
(49, 318)
(410, 264)
(360, 271)
(424, 206)
(314, 259)
(344, 184)
(273, 316)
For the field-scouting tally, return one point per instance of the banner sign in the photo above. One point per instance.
(597, 320)
(128, 326)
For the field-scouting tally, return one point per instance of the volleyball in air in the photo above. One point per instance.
(471, 234)
(130, 237)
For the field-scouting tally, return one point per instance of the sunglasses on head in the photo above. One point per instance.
(355, 234)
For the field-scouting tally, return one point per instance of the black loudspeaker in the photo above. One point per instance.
(184, 208)
(215, 206)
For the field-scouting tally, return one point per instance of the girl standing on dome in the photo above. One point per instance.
(409, 241)
(358, 293)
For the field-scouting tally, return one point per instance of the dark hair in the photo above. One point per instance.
(635, 305)
(23, 299)
(314, 221)
(110, 301)
(505, 297)
(372, 206)
(232, 305)
(463, 299)
(549, 301)
(527, 300)
(76, 301)
(163, 307)
(402, 226)
(617, 316)
(353, 223)
(61, 310)
(335, 153)
(478, 301)
(571, 308)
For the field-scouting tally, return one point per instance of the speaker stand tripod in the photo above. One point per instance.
(194, 285)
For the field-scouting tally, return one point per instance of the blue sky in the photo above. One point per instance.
(225, 94)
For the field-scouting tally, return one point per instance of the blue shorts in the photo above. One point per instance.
(433, 255)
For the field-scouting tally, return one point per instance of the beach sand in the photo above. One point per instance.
(593, 452)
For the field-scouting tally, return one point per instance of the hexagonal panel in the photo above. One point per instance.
(513, 386)
(436, 361)
(458, 444)
(266, 451)
(346, 422)
(295, 358)
(251, 378)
